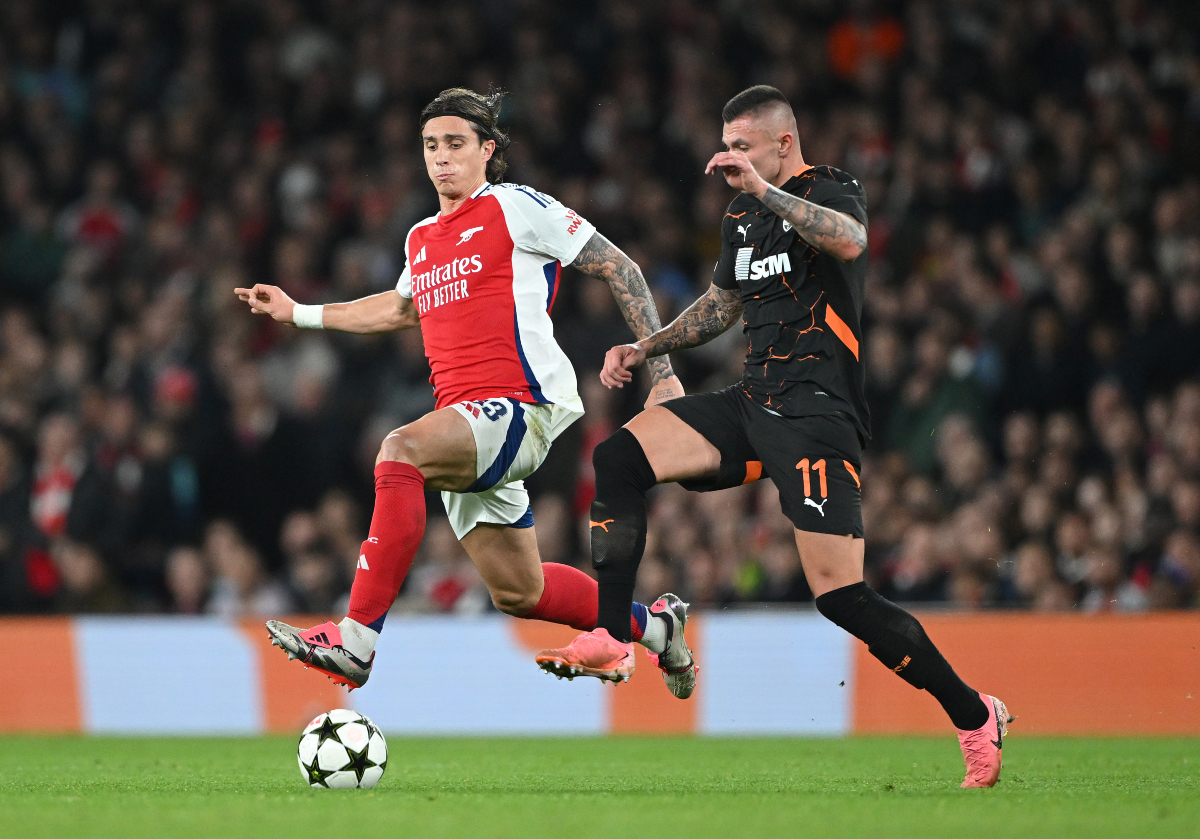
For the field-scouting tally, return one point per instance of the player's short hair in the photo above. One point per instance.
(483, 112)
(752, 100)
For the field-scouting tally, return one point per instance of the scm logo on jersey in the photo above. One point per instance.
(770, 266)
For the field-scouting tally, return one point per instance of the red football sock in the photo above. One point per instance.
(570, 597)
(397, 526)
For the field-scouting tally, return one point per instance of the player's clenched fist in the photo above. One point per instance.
(739, 172)
(268, 300)
(618, 362)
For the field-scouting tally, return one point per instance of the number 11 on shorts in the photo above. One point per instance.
(819, 468)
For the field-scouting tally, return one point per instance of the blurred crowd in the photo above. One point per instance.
(1032, 320)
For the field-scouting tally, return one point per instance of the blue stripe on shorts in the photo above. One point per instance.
(508, 452)
(525, 520)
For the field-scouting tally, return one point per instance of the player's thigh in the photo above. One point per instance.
(699, 440)
(512, 439)
(507, 558)
(830, 561)
(815, 464)
(675, 450)
(440, 445)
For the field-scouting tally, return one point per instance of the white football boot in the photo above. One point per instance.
(676, 662)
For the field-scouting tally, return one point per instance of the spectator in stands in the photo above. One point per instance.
(1031, 318)
(240, 585)
(187, 581)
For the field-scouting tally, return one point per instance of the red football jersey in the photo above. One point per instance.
(483, 280)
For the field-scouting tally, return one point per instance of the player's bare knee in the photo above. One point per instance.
(513, 602)
(400, 446)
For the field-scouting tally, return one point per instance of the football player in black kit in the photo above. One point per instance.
(792, 265)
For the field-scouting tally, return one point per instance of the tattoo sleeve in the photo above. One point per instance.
(829, 231)
(602, 259)
(713, 313)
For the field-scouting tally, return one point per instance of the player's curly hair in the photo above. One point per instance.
(483, 112)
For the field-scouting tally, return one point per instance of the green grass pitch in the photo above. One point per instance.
(684, 788)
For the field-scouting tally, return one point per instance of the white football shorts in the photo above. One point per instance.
(511, 440)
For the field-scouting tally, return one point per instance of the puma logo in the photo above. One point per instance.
(362, 562)
(744, 230)
(808, 502)
(467, 234)
(604, 524)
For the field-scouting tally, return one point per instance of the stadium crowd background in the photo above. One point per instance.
(1032, 313)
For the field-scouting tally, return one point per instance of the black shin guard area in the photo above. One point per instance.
(897, 639)
(618, 526)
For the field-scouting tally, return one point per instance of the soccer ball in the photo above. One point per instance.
(341, 750)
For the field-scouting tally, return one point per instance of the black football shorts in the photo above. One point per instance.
(814, 461)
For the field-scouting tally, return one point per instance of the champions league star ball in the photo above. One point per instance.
(341, 750)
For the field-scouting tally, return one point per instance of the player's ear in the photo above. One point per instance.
(489, 148)
(786, 141)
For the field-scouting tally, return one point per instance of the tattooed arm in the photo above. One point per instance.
(602, 259)
(704, 320)
(829, 231)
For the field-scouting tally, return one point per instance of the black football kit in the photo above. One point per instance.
(799, 415)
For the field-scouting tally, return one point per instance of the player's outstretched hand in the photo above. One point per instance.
(268, 300)
(668, 388)
(739, 172)
(618, 362)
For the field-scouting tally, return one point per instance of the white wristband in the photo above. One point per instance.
(308, 317)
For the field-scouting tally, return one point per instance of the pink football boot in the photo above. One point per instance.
(981, 747)
(594, 653)
(320, 648)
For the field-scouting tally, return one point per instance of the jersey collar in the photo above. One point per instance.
(445, 219)
(795, 175)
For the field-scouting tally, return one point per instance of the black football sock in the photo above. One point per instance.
(897, 639)
(618, 527)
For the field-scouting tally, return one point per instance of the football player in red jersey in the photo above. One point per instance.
(792, 270)
(480, 279)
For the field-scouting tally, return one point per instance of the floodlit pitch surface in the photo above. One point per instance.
(604, 787)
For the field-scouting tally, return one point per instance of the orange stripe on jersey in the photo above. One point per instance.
(841, 330)
(801, 170)
(853, 474)
(753, 471)
(739, 215)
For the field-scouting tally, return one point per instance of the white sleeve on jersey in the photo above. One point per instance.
(404, 284)
(539, 224)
